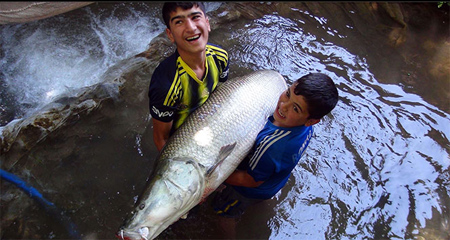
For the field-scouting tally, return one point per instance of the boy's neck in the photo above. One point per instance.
(196, 62)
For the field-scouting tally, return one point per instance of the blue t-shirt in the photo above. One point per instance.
(276, 152)
(175, 91)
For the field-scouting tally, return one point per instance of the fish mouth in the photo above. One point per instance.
(141, 234)
(193, 38)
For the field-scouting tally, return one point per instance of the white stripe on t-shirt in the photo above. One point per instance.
(265, 144)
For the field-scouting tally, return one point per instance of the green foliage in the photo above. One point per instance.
(442, 3)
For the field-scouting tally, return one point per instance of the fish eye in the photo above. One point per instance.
(142, 206)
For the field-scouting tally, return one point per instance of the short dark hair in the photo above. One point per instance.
(169, 7)
(320, 93)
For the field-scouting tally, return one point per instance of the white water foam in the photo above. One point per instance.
(45, 58)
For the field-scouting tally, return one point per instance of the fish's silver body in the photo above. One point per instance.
(204, 151)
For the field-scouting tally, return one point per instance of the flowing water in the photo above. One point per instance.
(377, 168)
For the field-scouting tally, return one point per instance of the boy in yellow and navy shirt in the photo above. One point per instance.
(175, 90)
(183, 82)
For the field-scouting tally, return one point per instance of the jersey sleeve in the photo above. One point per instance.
(225, 69)
(222, 58)
(158, 90)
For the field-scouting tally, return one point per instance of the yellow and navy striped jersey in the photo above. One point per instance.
(175, 91)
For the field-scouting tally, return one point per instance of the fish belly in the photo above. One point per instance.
(235, 113)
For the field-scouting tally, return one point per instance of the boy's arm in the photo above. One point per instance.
(161, 133)
(243, 179)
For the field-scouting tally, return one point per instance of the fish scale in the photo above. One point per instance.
(204, 151)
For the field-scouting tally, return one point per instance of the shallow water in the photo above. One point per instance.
(377, 168)
(43, 59)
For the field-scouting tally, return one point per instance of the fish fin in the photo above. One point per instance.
(223, 154)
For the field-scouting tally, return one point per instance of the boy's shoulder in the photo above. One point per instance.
(286, 138)
(216, 48)
(167, 67)
(169, 61)
(213, 45)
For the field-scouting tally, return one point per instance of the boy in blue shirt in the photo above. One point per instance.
(279, 145)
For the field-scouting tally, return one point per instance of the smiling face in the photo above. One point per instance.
(292, 110)
(189, 30)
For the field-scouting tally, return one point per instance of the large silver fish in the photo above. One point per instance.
(204, 151)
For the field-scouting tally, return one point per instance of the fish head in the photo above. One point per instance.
(176, 188)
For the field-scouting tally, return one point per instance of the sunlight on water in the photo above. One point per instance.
(372, 158)
(45, 58)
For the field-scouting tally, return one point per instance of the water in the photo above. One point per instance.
(43, 59)
(377, 168)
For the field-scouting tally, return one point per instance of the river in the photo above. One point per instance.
(378, 166)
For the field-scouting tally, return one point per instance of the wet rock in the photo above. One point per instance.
(19, 136)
